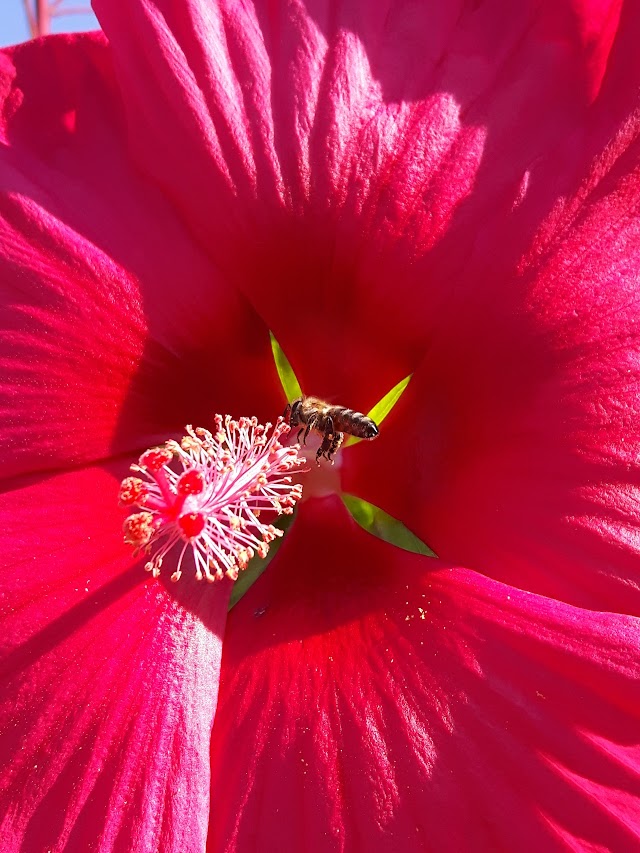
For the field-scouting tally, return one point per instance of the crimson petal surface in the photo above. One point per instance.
(345, 160)
(117, 329)
(373, 699)
(109, 680)
(514, 449)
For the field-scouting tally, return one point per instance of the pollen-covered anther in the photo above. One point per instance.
(153, 566)
(132, 491)
(204, 497)
(270, 533)
(138, 529)
(218, 574)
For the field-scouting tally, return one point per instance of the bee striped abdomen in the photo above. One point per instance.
(353, 423)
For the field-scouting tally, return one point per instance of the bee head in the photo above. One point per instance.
(294, 416)
(291, 413)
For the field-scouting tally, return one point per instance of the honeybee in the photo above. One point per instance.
(331, 422)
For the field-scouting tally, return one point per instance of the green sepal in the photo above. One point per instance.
(378, 522)
(288, 379)
(257, 566)
(382, 409)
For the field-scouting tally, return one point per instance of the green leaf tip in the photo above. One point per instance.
(374, 520)
(382, 408)
(288, 379)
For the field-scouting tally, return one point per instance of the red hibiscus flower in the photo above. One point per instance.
(447, 190)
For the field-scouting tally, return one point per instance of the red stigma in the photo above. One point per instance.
(191, 524)
(190, 483)
(155, 459)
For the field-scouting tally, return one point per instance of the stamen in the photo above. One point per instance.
(204, 496)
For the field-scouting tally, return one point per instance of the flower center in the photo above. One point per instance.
(211, 506)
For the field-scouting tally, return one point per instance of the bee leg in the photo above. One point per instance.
(300, 431)
(328, 446)
(334, 445)
(287, 413)
(310, 424)
(323, 450)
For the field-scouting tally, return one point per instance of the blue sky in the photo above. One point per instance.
(13, 23)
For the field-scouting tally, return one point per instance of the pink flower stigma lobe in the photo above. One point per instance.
(205, 495)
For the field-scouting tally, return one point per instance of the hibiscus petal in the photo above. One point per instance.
(514, 449)
(367, 702)
(109, 680)
(117, 329)
(332, 147)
